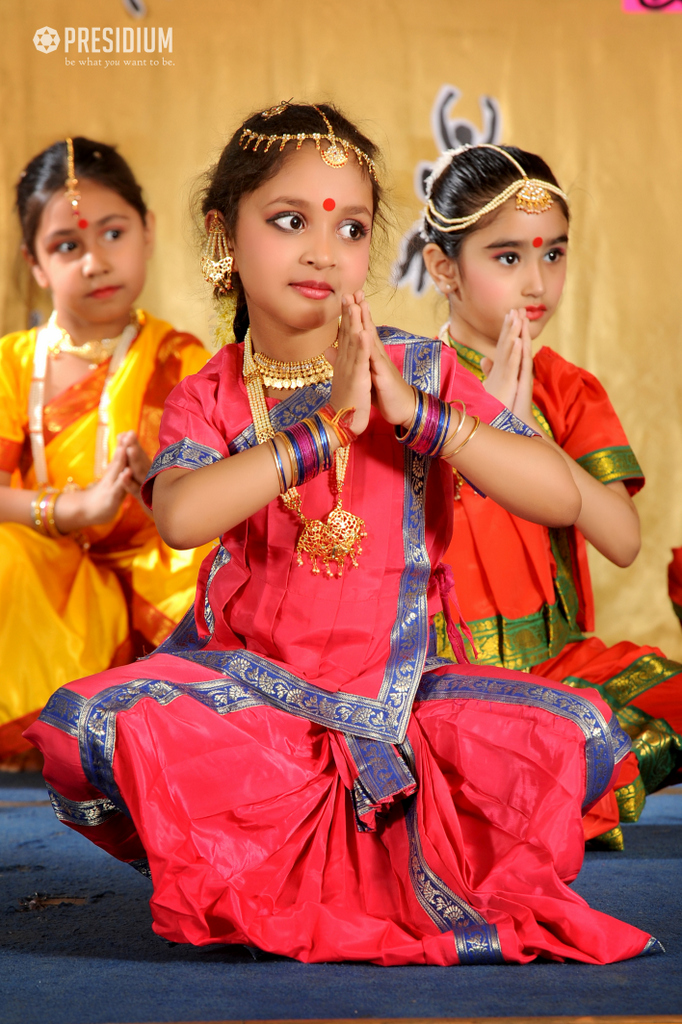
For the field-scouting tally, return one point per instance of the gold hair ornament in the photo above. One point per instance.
(216, 261)
(533, 195)
(335, 153)
(71, 183)
(226, 310)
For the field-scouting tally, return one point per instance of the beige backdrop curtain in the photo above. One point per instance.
(597, 92)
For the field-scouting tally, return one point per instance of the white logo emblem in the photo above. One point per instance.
(46, 39)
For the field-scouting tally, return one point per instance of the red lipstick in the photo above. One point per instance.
(313, 289)
(535, 312)
(104, 293)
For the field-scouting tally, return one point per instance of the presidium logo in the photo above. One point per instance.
(46, 39)
(147, 39)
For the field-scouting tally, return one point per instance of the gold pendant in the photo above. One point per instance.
(334, 541)
(533, 198)
(334, 155)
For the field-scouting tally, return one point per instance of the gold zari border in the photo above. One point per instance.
(611, 464)
(631, 800)
(611, 840)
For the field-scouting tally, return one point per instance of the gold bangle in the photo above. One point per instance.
(37, 521)
(49, 516)
(462, 416)
(289, 448)
(417, 402)
(477, 423)
(315, 431)
(278, 465)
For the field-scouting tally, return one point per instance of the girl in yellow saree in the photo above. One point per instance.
(85, 580)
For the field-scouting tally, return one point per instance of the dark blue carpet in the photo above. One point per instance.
(99, 961)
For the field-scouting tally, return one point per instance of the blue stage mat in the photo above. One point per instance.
(99, 961)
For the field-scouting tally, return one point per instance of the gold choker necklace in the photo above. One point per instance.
(289, 376)
(94, 352)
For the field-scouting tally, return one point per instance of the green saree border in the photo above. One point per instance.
(611, 464)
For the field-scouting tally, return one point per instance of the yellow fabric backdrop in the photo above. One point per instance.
(595, 91)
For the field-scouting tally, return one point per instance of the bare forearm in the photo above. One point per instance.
(608, 519)
(15, 505)
(522, 474)
(191, 507)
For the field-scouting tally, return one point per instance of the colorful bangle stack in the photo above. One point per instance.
(339, 423)
(428, 432)
(307, 445)
(42, 512)
(430, 425)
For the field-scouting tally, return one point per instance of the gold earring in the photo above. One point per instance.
(216, 262)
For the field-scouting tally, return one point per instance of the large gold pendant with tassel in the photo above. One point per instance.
(332, 541)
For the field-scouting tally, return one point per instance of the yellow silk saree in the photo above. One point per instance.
(76, 605)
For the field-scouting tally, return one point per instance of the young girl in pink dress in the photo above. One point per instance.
(297, 767)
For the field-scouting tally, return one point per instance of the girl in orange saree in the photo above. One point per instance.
(296, 767)
(85, 579)
(525, 589)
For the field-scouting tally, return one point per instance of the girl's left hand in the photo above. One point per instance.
(392, 395)
(138, 463)
(523, 402)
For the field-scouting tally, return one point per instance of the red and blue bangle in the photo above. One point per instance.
(430, 425)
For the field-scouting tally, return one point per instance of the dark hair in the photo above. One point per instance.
(467, 183)
(471, 180)
(46, 174)
(241, 171)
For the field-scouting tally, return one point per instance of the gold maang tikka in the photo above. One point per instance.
(533, 195)
(216, 261)
(333, 150)
(71, 184)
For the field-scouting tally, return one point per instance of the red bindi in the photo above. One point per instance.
(329, 204)
(82, 223)
(537, 242)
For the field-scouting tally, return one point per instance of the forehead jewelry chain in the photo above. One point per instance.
(71, 185)
(333, 150)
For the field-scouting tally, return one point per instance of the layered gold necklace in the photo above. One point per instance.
(94, 352)
(339, 536)
(47, 339)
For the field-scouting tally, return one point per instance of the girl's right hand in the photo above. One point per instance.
(76, 510)
(352, 382)
(503, 373)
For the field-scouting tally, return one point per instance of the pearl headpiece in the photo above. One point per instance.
(533, 195)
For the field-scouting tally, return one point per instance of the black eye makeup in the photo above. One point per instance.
(353, 230)
(291, 222)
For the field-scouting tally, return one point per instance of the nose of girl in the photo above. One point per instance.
(93, 263)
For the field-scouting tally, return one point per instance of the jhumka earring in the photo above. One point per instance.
(216, 262)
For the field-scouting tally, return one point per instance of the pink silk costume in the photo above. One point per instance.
(299, 769)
